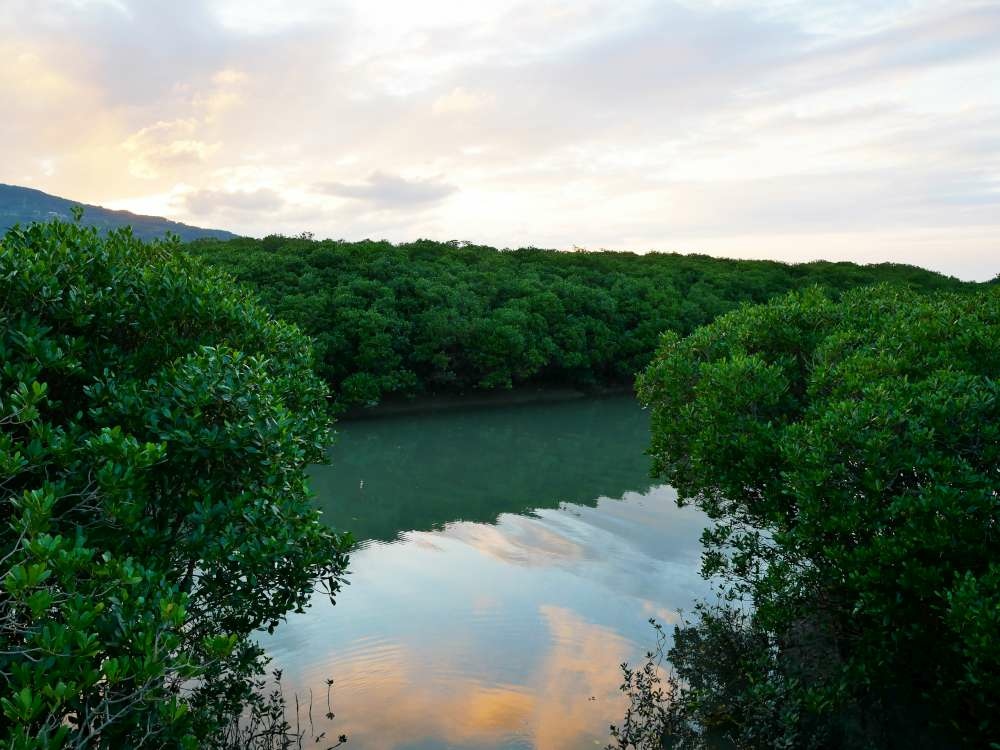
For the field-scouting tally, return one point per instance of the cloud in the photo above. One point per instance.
(929, 42)
(165, 145)
(675, 124)
(389, 192)
(208, 202)
(460, 100)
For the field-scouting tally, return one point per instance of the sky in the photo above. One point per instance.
(863, 130)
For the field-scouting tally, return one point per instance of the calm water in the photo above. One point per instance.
(512, 558)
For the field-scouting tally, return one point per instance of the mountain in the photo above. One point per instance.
(21, 205)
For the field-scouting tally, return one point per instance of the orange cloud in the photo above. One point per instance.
(387, 695)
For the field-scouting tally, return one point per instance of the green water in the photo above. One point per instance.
(511, 558)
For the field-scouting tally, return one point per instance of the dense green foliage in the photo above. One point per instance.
(433, 317)
(154, 427)
(849, 453)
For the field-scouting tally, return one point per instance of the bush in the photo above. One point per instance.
(155, 427)
(849, 453)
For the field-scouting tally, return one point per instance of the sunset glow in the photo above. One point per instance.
(844, 129)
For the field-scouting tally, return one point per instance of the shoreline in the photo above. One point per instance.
(448, 402)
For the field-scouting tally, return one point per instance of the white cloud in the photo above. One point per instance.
(727, 126)
(460, 100)
(385, 191)
(165, 145)
(217, 202)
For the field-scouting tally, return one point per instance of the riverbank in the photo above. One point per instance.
(522, 396)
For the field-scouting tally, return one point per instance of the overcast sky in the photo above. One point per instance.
(865, 130)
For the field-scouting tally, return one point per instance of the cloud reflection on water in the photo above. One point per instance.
(505, 635)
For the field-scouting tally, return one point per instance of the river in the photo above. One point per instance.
(510, 560)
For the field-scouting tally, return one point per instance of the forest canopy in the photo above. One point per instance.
(430, 317)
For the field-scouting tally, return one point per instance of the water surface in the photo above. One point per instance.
(510, 562)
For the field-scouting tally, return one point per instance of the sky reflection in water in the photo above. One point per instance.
(504, 630)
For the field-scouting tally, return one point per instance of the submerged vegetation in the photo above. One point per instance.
(448, 317)
(156, 423)
(849, 454)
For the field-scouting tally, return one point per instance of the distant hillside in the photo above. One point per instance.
(21, 205)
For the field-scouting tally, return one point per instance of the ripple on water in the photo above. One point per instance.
(495, 598)
(513, 631)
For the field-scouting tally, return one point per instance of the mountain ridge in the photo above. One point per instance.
(23, 205)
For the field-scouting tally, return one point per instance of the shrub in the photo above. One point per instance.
(849, 454)
(155, 427)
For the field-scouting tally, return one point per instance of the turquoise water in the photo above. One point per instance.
(510, 561)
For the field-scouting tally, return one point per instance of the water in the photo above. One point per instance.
(510, 562)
